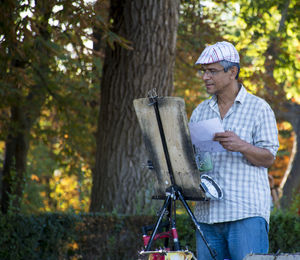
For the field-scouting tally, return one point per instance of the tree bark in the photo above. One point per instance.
(120, 182)
(291, 180)
(14, 166)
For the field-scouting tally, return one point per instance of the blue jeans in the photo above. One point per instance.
(233, 240)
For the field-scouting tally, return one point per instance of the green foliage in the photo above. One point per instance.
(284, 232)
(99, 236)
(186, 232)
(51, 75)
(267, 37)
(40, 168)
(295, 206)
(36, 237)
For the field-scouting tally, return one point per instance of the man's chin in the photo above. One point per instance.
(210, 89)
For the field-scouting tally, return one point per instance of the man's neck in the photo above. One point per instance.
(228, 96)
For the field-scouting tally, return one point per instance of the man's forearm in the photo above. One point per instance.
(257, 156)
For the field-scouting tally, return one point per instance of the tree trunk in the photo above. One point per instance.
(16, 147)
(120, 182)
(23, 115)
(291, 180)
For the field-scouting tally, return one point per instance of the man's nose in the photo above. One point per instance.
(206, 76)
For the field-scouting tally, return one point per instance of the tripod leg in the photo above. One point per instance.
(173, 226)
(169, 216)
(163, 210)
(211, 250)
(175, 236)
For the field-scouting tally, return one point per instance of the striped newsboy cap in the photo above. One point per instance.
(218, 52)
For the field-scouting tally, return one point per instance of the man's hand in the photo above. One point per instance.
(255, 155)
(230, 141)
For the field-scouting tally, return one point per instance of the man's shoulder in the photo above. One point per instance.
(257, 101)
(202, 109)
(205, 102)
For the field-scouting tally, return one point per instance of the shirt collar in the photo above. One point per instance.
(241, 95)
(239, 98)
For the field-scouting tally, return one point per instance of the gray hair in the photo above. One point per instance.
(228, 64)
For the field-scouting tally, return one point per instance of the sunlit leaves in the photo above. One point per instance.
(268, 45)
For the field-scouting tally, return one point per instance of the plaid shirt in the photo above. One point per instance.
(246, 191)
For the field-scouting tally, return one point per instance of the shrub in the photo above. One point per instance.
(110, 236)
(36, 237)
(284, 232)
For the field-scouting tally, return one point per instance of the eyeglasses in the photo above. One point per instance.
(208, 72)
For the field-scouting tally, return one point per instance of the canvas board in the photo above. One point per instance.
(174, 120)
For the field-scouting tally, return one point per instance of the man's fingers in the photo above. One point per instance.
(224, 134)
(221, 136)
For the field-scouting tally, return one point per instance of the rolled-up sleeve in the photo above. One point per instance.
(266, 132)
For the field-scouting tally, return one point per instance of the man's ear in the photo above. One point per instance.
(233, 72)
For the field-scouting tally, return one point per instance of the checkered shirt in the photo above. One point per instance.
(246, 191)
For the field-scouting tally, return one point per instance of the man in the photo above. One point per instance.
(238, 224)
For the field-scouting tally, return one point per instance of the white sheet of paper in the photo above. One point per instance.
(202, 134)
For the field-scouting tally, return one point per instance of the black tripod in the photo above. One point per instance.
(173, 192)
